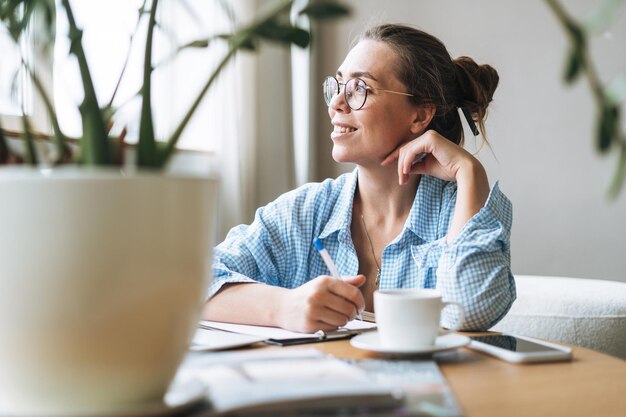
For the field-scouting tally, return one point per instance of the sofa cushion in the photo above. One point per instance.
(583, 312)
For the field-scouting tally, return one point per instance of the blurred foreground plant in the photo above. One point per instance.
(608, 99)
(96, 147)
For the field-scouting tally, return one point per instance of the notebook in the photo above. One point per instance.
(282, 337)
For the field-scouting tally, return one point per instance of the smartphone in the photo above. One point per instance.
(519, 349)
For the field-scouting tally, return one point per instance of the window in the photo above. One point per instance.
(17, 94)
(14, 91)
(108, 28)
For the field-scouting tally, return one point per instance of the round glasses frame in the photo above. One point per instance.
(355, 91)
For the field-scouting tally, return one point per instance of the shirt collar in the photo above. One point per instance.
(341, 216)
(423, 219)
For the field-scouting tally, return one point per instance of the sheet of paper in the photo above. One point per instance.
(275, 332)
(209, 340)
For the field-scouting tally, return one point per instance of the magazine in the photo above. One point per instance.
(306, 382)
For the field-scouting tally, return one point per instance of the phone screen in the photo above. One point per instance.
(513, 344)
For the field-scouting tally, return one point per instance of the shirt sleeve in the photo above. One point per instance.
(250, 253)
(475, 269)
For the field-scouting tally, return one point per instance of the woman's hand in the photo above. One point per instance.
(448, 161)
(435, 156)
(324, 303)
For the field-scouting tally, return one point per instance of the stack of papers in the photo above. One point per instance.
(307, 382)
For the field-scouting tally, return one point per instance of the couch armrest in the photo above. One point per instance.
(583, 312)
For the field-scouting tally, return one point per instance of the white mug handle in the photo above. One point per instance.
(461, 317)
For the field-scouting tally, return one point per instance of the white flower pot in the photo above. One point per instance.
(102, 278)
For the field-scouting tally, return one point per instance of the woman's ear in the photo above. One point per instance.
(424, 113)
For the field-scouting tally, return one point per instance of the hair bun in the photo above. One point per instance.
(476, 85)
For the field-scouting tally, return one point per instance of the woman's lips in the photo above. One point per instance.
(343, 129)
(340, 130)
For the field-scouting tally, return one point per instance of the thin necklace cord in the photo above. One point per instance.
(369, 240)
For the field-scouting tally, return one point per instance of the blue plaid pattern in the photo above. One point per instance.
(474, 270)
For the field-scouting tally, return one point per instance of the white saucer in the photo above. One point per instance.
(371, 341)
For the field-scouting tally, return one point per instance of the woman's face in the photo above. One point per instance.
(368, 135)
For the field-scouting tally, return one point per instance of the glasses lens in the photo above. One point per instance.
(356, 93)
(331, 89)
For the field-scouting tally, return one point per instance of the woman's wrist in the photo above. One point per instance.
(472, 193)
(471, 176)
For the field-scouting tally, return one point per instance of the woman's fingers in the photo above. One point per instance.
(326, 302)
(409, 157)
(332, 318)
(347, 290)
(391, 158)
(430, 154)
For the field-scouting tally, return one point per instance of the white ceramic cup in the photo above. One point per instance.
(409, 318)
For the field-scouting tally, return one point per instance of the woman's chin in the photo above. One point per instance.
(341, 157)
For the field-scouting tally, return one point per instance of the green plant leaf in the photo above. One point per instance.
(7, 156)
(576, 59)
(620, 173)
(573, 65)
(94, 144)
(199, 43)
(147, 154)
(30, 154)
(4, 146)
(616, 90)
(17, 15)
(324, 10)
(283, 33)
(64, 153)
(608, 125)
(242, 39)
(602, 15)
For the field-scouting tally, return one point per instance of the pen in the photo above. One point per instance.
(330, 264)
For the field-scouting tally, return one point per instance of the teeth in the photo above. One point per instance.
(342, 129)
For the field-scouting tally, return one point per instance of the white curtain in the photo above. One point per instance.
(257, 154)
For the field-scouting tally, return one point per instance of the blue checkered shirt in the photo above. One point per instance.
(474, 269)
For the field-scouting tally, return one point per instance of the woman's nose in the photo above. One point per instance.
(338, 103)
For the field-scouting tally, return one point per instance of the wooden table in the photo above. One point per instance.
(592, 384)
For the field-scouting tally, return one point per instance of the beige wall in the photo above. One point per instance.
(541, 131)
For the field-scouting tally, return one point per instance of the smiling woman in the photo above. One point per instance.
(416, 212)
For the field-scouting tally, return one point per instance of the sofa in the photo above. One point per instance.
(584, 312)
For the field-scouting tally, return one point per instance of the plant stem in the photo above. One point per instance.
(95, 147)
(620, 173)
(238, 38)
(146, 148)
(171, 143)
(597, 90)
(29, 145)
(4, 147)
(64, 153)
(127, 59)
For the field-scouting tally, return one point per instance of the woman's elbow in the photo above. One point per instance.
(486, 314)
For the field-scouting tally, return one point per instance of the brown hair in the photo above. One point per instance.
(433, 77)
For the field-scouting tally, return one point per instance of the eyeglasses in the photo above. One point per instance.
(355, 91)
